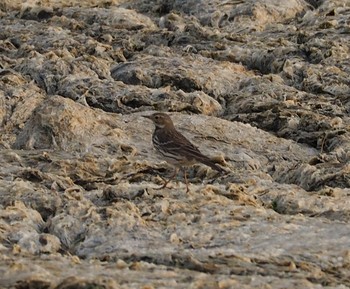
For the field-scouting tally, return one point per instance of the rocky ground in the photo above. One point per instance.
(261, 86)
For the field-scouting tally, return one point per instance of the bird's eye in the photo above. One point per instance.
(156, 117)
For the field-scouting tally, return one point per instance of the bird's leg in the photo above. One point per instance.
(186, 180)
(169, 180)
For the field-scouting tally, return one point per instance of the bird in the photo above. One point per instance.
(175, 148)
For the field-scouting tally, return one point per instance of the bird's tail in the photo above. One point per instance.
(212, 164)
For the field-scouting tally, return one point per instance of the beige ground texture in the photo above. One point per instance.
(262, 87)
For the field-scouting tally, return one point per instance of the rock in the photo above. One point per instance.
(261, 87)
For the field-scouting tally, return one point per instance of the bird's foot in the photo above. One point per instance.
(159, 188)
(166, 182)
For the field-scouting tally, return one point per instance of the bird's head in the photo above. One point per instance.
(160, 120)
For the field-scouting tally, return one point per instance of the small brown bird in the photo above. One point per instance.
(175, 148)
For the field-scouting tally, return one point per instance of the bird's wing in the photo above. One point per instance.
(178, 144)
(174, 145)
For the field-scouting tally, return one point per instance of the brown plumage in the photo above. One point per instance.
(175, 148)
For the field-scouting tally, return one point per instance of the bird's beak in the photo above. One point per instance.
(147, 116)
